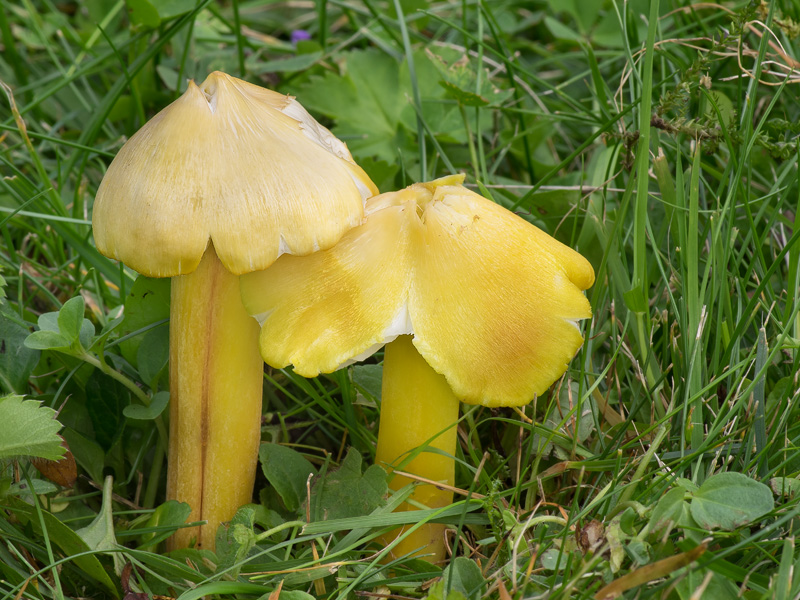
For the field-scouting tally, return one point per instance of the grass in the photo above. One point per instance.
(657, 138)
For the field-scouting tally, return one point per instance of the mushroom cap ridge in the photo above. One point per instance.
(230, 163)
(492, 301)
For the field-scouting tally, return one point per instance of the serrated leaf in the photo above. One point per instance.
(366, 101)
(461, 83)
(148, 413)
(729, 501)
(287, 472)
(28, 429)
(346, 493)
(461, 96)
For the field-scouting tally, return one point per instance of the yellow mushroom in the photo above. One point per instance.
(220, 183)
(491, 301)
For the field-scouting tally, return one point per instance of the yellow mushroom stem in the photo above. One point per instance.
(216, 377)
(418, 409)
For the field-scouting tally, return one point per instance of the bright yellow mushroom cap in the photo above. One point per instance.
(493, 302)
(234, 163)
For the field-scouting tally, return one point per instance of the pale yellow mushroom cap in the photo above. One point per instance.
(492, 301)
(232, 163)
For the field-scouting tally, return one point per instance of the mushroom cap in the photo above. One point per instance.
(242, 166)
(492, 301)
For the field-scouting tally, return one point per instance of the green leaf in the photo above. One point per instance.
(171, 514)
(28, 429)
(70, 318)
(561, 31)
(367, 103)
(168, 9)
(147, 303)
(66, 539)
(369, 378)
(106, 398)
(462, 96)
(409, 7)
(287, 471)
(290, 595)
(99, 534)
(464, 576)
(714, 586)
(668, 510)
(86, 334)
(148, 413)
(153, 353)
(269, 519)
(635, 300)
(639, 551)
(729, 501)
(437, 592)
(687, 484)
(65, 330)
(234, 540)
(107, 330)
(143, 12)
(17, 360)
(38, 487)
(459, 78)
(785, 486)
(88, 453)
(381, 172)
(47, 340)
(299, 62)
(345, 492)
(49, 322)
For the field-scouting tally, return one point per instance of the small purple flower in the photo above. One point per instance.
(300, 35)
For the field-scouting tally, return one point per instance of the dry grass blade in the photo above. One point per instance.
(651, 572)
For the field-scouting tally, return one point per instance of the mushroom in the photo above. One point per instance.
(220, 183)
(491, 301)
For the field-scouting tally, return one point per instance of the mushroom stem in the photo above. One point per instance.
(418, 410)
(215, 399)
